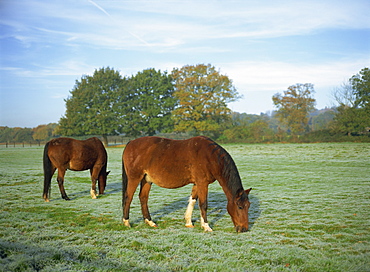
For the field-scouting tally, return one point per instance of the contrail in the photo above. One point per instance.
(140, 39)
(99, 7)
(132, 34)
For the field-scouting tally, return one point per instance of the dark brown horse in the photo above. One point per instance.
(176, 163)
(67, 153)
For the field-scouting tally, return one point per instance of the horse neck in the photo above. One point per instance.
(230, 187)
(227, 173)
(229, 177)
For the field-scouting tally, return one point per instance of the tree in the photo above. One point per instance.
(43, 132)
(294, 107)
(353, 112)
(361, 86)
(351, 120)
(345, 95)
(203, 94)
(22, 135)
(6, 134)
(151, 104)
(92, 107)
(322, 119)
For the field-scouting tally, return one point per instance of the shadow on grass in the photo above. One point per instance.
(111, 188)
(217, 203)
(18, 256)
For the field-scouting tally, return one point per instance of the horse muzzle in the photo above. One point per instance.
(241, 229)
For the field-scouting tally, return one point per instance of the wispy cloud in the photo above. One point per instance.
(278, 76)
(154, 25)
(66, 68)
(172, 26)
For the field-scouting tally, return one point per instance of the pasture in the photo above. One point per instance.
(309, 212)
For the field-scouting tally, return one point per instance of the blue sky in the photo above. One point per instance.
(263, 46)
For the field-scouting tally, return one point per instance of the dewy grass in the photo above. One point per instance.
(309, 212)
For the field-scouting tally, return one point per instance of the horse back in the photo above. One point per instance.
(171, 163)
(77, 155)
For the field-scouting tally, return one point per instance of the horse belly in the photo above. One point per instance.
(168, 181)
(78, 165)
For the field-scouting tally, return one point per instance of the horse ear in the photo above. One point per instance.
(239, 193)
(107, 173)
(248, 190)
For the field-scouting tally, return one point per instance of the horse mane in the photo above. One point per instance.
(229, 170)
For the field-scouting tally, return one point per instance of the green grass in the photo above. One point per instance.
(309, 212)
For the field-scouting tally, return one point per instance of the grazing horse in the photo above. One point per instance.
(176, 163)
(66, 153)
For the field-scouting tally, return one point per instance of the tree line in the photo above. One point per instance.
(193, 100)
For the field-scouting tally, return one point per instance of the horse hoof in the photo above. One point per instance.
(207, 228)
(189, 226)
(47, 200)
(126, 222)
(151, 223)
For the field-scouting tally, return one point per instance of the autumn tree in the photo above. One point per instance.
(43, 132)
(202, 94)
(294, 107)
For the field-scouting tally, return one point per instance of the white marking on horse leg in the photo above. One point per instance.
(204, 225)
(150, 223)
(189, 212)
(93, 194)
(126, 222)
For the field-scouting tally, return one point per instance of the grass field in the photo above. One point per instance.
(309, 211)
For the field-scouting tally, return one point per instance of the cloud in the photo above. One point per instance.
(65, 68)
(171, 25)
(278, 76)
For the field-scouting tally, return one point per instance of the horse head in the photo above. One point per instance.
(238, 209)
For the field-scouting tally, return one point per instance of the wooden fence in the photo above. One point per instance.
(112, 140)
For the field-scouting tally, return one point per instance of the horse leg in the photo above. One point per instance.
(203, 205)
(60, 179)
(47, 182)
(144, 196)
(189, 210)
(128, 194)
(94, 172)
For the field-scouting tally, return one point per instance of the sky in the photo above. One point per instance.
(262, 46)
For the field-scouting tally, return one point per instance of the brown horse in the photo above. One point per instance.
(76, 155)
(176, 163)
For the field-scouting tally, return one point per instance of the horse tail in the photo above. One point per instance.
(124, 180)
(124, 183)
(48, 173)
(102, 178)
